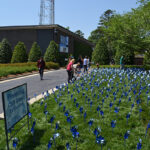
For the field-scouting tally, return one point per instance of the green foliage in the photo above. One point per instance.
(126, 33)
(52, 65)
(80, 33)
(5, 51)
(126, 52)
(147, 58)
(35, 53)
(19, 53)
(81, 49)
(52, 52)
(100, 54)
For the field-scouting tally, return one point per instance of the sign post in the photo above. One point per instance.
(15, 108)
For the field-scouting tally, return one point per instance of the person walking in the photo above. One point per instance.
(80, 61)
(70, 70)
(85, 64)
(41, 66)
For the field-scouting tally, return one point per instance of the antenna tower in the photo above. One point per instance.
(47, 12)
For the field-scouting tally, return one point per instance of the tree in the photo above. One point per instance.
(80, 33)
(96, 35)
(5, 51)
(19, 53)
(52, 52)
(100, 54)
(35, 53)
(126, 52)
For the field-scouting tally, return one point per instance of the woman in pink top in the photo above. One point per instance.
(70, 69)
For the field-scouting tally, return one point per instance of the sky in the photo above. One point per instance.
(76, 14)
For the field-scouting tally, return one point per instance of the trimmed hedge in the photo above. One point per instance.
(18, 68)
(146, 67)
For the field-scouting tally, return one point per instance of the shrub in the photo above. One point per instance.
(19, 53)
(52, 52)
(35, 53)
(52, 65)
(5, 51)
(100, 54)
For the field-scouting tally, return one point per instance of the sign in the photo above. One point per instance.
(64, 42)
(15, 105)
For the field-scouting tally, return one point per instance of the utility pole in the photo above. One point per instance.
(47, 12)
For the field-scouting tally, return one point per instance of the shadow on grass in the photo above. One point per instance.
(28, 144)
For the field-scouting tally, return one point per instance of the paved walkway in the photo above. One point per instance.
(34, 84)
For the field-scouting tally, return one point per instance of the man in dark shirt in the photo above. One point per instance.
(41, 66)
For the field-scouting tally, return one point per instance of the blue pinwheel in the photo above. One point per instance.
(15, 143)
(97, 131)
(148, 126)
(110, 106)
(75, 100)
(90, 123)
(68, 146)
(64, 108)
(139, 144)
(81, 109)
(56, 135)
(126, 135)
(113, 124)
(69, 119)
(66, 113)
(50, 144)
(132, 106)
(52, 119)
(100, 140)
(32, 130)
(119, 101)
(77, 105)
(57, 126)
(128, 116)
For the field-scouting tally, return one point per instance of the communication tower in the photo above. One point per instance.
(47, 12)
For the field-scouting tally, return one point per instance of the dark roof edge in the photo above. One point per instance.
(45, 27)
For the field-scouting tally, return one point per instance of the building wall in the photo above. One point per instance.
(14, 36)
(44, 36)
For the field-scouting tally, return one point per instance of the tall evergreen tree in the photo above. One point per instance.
(35, 53)
(19, 53)
(52, 52)
(5, 51)
(100, 54)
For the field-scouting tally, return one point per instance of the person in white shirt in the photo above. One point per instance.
(85, 64)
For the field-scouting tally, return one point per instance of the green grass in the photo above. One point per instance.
(114, 140)
(18, 68)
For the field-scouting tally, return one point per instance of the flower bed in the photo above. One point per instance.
(106, 109)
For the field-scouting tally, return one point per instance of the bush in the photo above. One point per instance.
(52, 52)
(5, 51)
(35, 53)
(19, 53)
(52, 65)
(100, 54)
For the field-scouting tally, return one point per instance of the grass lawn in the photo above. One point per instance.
(106, 95)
